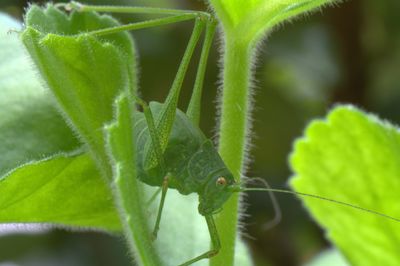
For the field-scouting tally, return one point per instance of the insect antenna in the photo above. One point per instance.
(301, 194)
(275, 205)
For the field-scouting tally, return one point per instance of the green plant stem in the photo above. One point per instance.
(234, 123)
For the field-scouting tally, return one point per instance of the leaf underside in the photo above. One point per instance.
(23, 98)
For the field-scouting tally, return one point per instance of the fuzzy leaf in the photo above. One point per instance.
(66, 190)
(249, 20)
(47, 191)
(85, 73)
(353, 157)
(23, 98)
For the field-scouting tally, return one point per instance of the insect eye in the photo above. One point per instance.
(221, 181)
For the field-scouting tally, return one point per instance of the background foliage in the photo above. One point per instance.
(350, 54)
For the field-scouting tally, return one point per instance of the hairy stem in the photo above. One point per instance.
(234, 123)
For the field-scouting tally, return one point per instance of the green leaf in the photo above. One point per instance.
(353, 157)
(47, 191)
(30, 126)
(85, 73)
(249, 20)
(63, 191)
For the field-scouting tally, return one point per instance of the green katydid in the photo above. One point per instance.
(172, 152)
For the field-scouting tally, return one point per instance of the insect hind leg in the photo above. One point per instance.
(156, 148)
(194, 108)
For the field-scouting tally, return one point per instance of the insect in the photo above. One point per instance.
(172, 152)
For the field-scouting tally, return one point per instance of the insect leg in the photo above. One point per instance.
(73, 5)
(154, 196)
(215, 242)
(194, 108)
(143, 25)
(159, 159)
(166, 117)
(161, 206)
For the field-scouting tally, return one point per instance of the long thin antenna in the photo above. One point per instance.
(272, 190)
(275, 205)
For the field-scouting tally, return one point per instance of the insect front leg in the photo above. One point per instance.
(215, 242)
(153, 197)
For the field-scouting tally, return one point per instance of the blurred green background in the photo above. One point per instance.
(349, 53)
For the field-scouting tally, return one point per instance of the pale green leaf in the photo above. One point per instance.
(48, 191)
(353, 157)
(65, 191)
(30, 126)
